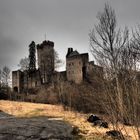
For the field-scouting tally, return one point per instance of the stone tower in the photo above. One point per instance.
(45, 52)
(76, 65)
(17, 81)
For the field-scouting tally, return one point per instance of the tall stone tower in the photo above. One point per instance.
(76, 65)
(45, 52)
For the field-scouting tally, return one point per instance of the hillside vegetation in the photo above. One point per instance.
(31, 110)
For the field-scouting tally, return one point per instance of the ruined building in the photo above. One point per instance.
(31, 78)
(78, 68)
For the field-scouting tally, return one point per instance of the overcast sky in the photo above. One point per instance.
(66, 22)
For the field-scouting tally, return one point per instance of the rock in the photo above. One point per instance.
(3, 137)
(101, 123)
(20, 138)
(93, 118)
(97, 121)
(115, 134)
(126, 122)
(35, 129)
(75, 130)
(104, 124)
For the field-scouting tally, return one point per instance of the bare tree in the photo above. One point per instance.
(107, 43)
(57, 61)
(112, 49)
(24, 64)
(6, 75)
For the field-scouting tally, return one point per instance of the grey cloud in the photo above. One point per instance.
(66, 22)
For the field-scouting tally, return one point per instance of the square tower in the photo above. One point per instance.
(45, 52)
(76, 65)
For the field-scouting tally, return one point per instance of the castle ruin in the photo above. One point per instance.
(78, 69)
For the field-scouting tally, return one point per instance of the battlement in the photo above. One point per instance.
(45, 43)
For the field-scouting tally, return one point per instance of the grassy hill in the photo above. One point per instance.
(30, 110)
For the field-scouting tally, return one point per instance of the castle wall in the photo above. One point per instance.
(59, 77)
(17, 82)
(31, 80)
(94, 71)
(85, 58)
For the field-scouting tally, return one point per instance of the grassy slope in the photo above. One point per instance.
(24, 109)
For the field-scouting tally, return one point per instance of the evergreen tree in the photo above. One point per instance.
(32, 56)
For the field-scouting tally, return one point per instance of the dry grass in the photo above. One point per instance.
(24, 109)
